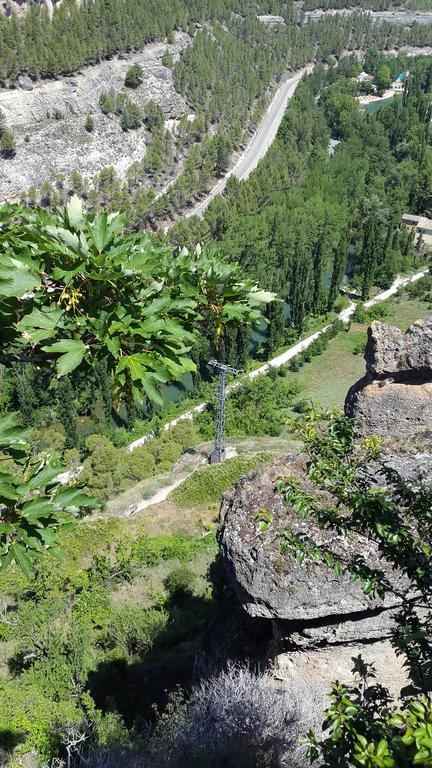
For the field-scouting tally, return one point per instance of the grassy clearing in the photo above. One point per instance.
(209, 483)
(327, 378)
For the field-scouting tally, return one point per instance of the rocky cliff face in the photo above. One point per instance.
(320, 621)
(394, 399)
(48, 147)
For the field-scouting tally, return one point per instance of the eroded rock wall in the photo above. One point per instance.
(394, 399)
(320, 622)
(47, 147)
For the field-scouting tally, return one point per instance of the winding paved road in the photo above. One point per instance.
(259, 143)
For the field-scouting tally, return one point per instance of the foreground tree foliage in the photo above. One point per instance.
(75, 292)
(363, 727)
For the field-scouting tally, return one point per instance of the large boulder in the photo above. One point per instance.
(317, 622)
(309, 600)
(394, 399)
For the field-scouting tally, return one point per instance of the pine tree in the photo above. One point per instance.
(7, 145)
(339, 268)
(154, 116)
(134, 76)
(275, 328)
(89, 123)
(369, 254)
(131, 116)
(319, 255)
(67, 411)
(167, 59)
(24, 394)
(105, 389)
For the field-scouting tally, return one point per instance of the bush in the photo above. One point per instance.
(209, 483)
(132, 629)
(185, 434)
(230, 719)
(120, 437)
(89, 123)
(141, 464)
(154, 116)
(180, 581)
(105, 470)
(166, 451)
(167, 59)
(421, 289)
(151, 551)
(108, 101)
(131, 116)
(258, 408)
(377, 312)
(7, 145)
(134, 76)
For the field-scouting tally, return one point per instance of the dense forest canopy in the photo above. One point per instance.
(251, 58)
(86, 33)
(297, 215)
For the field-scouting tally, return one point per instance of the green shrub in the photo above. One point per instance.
(258, 408)
(141, 464)
(377, 312)
(209, 483)
(131, 116)
(134, 76)
(105, 470)
(132, 629)
(89, 123)
(186, 434)
(180, 581)
(150, 551)
(28, 717)
(121, 438)
(107, 101)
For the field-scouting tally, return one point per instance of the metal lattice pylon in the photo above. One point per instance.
(221, 393)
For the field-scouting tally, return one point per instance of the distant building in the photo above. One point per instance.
(363, 77)
(421, 224)
(399, 82)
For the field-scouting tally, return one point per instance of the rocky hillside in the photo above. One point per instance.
(19, 7)
(48, 120)
(317, 621)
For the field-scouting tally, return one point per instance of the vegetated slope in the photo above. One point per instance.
(84, 33)
(290, 225)
(225, 76)
(303, 213)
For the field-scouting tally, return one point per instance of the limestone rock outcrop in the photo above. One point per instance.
(272, 585)
(318, 622)
(47, 146)
(394, 399)
(390, 351)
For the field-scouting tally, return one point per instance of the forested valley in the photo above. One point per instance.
(114, 603)
(250, 58)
